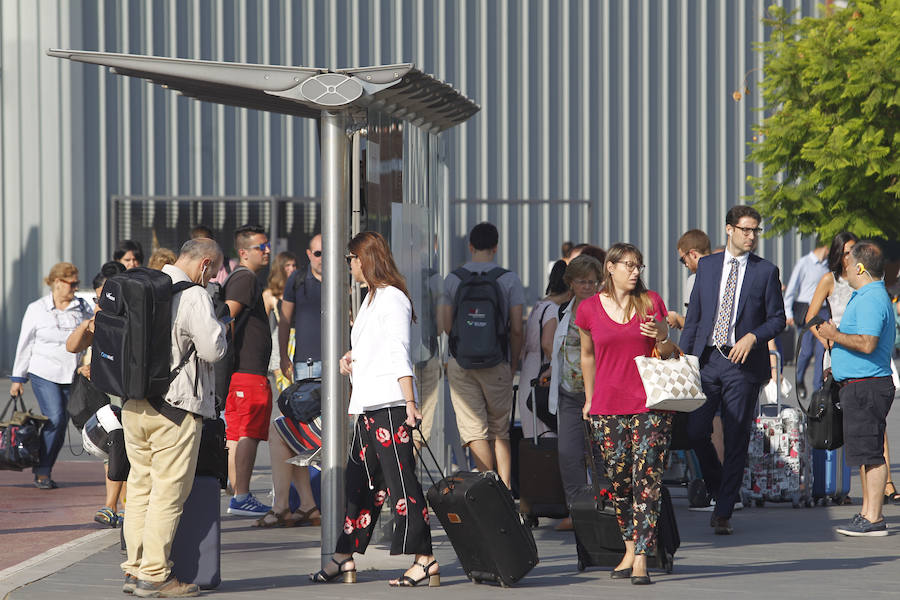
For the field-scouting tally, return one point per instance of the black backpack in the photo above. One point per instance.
(478, 333)
(132, 344)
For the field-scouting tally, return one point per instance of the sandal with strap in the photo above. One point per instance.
(893, 497)
(323, 576)
(434, 579)
(278, 522)
(299, 518)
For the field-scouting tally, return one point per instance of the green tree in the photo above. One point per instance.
(829, 146)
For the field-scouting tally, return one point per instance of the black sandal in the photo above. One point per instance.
(324, 577)
(893, 497)
(434, 580)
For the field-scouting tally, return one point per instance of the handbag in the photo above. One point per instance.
(302, 400)
(85, 399)
(540, 394)
(825, 418)
(20, 437)
(672, 383)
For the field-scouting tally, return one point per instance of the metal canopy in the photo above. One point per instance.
(399, 90)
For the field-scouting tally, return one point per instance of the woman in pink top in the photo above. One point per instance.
(621, 322)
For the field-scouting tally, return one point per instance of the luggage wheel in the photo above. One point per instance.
(531, 522)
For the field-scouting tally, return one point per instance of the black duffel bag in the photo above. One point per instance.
(302, 400)
(20, 436)
(825, 419)
(85, 399)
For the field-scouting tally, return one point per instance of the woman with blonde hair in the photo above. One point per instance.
(41, 356)
(625, 320)
(280, 271)
(381, 461)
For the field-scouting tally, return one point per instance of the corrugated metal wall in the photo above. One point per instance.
(624, 104)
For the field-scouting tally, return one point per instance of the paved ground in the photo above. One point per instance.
(776, 552)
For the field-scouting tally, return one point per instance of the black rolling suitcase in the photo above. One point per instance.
(598, 540)
(541, 491)
(197, 548)
(479, 515)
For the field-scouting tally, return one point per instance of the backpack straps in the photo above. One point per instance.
(177, 288)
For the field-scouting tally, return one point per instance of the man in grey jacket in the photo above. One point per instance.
(162, 434)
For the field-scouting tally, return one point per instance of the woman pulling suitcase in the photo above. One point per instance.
(622, 321)
(381, 461)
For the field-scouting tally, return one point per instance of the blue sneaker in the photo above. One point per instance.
(251, 507)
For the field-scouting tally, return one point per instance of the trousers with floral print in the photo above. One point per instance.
(634, 450)
(382, 465)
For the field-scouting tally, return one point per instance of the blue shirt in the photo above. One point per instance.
(306, 294)
(802, 285)
(869, 312)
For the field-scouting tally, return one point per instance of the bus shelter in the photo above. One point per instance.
(383, 168)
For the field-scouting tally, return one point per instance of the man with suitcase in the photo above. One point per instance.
(861, 365)
(162, 433)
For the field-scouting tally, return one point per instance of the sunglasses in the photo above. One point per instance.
(317, 253)
(73, 284)
(350, 258)
(261, 247)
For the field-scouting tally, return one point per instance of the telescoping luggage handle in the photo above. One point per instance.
(418, 427)
(759, 404)
(589, 451)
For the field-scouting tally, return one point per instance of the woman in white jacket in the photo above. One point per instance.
(381, 460)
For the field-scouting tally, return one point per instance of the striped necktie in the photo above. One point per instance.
(723, 321)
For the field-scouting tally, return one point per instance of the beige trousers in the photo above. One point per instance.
(163, 459)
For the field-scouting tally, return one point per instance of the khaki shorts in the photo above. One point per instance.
(482, 400)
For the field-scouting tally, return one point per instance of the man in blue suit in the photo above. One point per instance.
(736, 307)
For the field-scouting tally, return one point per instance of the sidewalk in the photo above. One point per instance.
(776, 552)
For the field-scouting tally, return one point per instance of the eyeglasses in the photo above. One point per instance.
(749, 230)
(681, 259)
(631, 266)
(350, 258)
(587, 282)
(317, 253)
(261, 247)
(73, 284)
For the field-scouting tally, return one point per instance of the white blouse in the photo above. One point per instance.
(42, 340)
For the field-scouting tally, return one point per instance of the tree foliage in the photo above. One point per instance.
(829, 146)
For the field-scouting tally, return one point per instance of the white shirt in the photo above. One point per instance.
(42, 340)
(726, 269)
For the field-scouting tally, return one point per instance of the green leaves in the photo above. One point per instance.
(829, 147)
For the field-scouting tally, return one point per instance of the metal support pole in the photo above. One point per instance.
(335, 338)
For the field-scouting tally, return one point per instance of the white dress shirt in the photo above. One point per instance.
(41, 349)
(726, 269)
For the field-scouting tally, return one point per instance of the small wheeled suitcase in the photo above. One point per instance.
(480, 518)
(779, 465)
(598, 540)
(831, 476)
(197, 547)
(541, 492)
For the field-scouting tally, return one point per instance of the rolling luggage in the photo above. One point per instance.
(831, 476)
(541, 491)
(480, 518)
(779, 465)
(197, 547)
(598, 540)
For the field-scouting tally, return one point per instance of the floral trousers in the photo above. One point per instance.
(634, 450)
(382, 465)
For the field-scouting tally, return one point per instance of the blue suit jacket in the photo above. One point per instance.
(760, 310)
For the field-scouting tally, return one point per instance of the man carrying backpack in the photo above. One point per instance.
(248, 406)
(162, 433)
(481, 310)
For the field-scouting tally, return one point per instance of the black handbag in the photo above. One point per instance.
(302, 400)
(540, 394)
(85, 399)
(212, 459)
(825, 419)
(20, 437)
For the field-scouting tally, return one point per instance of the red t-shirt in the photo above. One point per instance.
(618, 389)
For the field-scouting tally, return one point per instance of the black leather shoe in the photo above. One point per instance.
(620, 574)
(721, 525)
(641, 580)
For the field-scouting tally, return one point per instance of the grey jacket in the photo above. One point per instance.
(194, 322)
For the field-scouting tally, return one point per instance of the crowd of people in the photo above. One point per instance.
(580, 340)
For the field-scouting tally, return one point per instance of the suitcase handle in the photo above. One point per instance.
(418, 428)
(590, 456)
